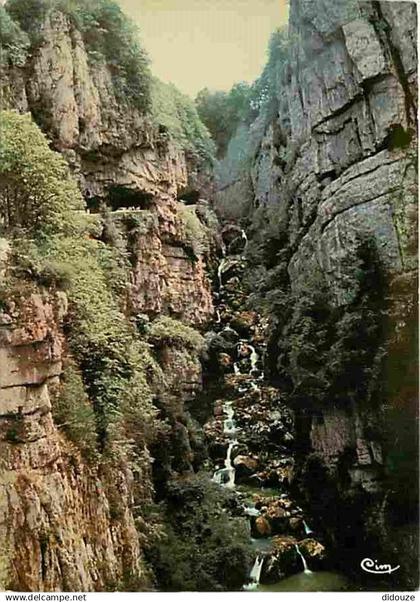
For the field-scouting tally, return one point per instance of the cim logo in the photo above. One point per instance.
(372, 566)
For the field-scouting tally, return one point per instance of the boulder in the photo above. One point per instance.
(245, 467)
(282, 562)
(261, 527)
(224, 361)
(244, 322)
(314, 553)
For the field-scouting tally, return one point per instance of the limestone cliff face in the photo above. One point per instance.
(167, 277)
(117, 153)
(57, 529)
(61, 524)
(107, 141)
(341, 158)
(337, 169)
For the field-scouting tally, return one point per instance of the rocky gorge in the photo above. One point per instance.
(207, 382)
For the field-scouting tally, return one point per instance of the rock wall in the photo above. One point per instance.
(107, 141)
(60, 529)
(56, 525)
(168, 277)
(336, 176)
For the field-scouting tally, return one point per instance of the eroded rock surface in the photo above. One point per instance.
(56, 525)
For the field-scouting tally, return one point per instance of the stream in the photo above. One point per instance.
(255, 430)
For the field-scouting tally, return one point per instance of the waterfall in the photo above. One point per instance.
(245, 238)
(229, 466)
(254, 357)
(229, 428)
(308, 531)
(220, 272)
(218, 318)
(305, 566)
(228, 471)
(228, 409)
(251, 511)
(255, 573)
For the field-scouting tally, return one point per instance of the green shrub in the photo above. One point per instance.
(204, 548)
(109, 36)
(54, 249)
(101, 339)
(195, 232)
(73, 412)
(14, 43)
(222, 112)
(177, 114)
(37, 194)
(166, 331)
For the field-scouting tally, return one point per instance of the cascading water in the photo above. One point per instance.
(226, 476)
(302, 557)
(308, 530)
(254, 357)
(245, 238)
(220, 272)
(249, 390)
(230, 470)
(255, 573)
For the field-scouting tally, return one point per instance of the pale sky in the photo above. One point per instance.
(206, 43)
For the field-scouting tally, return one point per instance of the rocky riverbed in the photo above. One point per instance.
(251, 436)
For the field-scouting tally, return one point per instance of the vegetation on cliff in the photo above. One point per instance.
(111, 400)
(14, 43)
(203, 549)
(53, 245)
(176, 114)
(110, 39)
(37, 195)
(109, 36)
(228, 114)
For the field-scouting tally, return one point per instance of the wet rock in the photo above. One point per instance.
(282, 562)
(218, 408)
(225, 361)
(261, 527)
(295, 523)
(231, 232)
(237, 245)
(314, 553)
(232, 284)
(245, 467)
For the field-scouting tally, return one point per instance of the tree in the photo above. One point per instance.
(222, 112)
(37, 193)
(109, 36)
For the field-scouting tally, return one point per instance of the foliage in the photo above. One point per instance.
(166, 331)
(175, 113)
(195, 232)
(37, 194)
(14, 43)
(265, 89)
(113, 362)
(246, 108)
(204, 548)
(320, 350)
(222, 112)
(73, 412)
(109, 36)
(243, 142)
